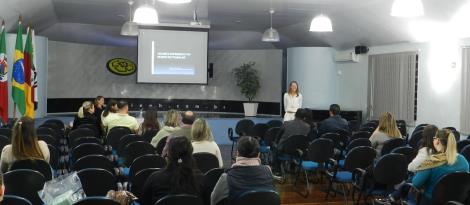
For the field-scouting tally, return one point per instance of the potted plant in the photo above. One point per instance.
(247, 79)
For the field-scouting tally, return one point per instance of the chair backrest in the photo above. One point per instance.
(6, 132)
(205, 161)
(93, 161)
(34, 164)
(57, 122)
(409, 152)
(210, 180)
(161, 144)
(461, 144)
(24, 183)
(96, 200)
(320, 150)
(358, 142)
(144, 162)
(391, 169)
(294, 143)
(270, 135)
(344, 133)
(115, 134)
(54, 157)
(59, 131)
(41, 131)
(49, 139)
(420, 127)
(391, 144)
(274, 123)
(466, 152)
(260, 130)
(245, 127)
(138, 181)
(265, 197)
(368, 129)
(452, 187)
(333, 137)
(4, 140)
(80, 132)
(97, 182)
(453, 203)
(149, 134)
(126, 140)
(15, 200)
(359, 157)
(173, 199)
(360, 134)
(91, 127)
(415, 139)
(135, 150)
(87, 149)
(83, 140)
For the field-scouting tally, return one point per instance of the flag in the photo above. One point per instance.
(17, 81)
(28, 70)
(3, 77)
(34, 79)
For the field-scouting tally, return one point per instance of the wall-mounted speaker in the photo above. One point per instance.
(210, 70)
(361, 49)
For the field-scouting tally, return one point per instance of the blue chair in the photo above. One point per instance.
(293, 148)
(265, 197)
(244, 127)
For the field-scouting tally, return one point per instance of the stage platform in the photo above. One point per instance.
(218, 122)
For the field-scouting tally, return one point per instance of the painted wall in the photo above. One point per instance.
(315, 70)
(41, 68)
(439, 82)
(79, 70)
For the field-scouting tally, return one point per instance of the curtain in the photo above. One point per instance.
(465, 104)
(392, 85)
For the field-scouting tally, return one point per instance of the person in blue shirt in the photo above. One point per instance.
(446, 161)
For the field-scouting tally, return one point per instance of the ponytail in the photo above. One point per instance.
(80, 112)
(451, 149)
(86, 107)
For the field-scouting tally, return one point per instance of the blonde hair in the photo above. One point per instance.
(200, 130)
(86, 107)
(388, 125)
(290, 91)
(24, 142)
(447, 139)
(172, 118)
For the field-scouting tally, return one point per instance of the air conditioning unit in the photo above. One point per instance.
(346, 56)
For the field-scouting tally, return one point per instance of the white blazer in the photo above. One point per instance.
(291, 104)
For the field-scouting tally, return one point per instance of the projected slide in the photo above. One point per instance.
(168, 56)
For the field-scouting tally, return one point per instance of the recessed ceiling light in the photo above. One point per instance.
(175, 1)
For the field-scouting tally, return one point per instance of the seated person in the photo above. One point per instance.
(334, 123)
(122, 119)
(150, 122)
(85, 115)
(203, 141)
(187, 121)
(24, 145)
(245, 175)
(178, 177)
(426, 149)
(386, 130)
(171, 125)
(298, 126)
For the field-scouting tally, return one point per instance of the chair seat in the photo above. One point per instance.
(125, 171)
(309, 165)
(264, 149)
(341, 163)
(344, 177)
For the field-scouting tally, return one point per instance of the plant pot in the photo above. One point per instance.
(250, 109)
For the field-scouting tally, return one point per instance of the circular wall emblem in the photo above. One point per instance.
(121, 66)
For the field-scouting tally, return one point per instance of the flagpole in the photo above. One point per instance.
(14, 111)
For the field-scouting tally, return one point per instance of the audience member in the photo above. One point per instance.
(386, 130)
(171, 125)
(122, 118)
(187, 121)
(179, 176)
(298, 126)
(99, 106)
(203, 141)
(24, 145)
(245, 175)
(292, 101)
(334, 123)
(426, 148)
(150, 122)
(85, 115)
(108, 111)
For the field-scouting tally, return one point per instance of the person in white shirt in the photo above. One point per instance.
(203, 141)
(426, 148)
(292, 101)
(122, 118)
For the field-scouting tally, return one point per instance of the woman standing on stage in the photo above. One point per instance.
(292, 101)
